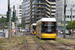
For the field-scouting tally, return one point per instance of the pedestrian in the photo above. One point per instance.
(4, 31)
(69, 33)
(13, 31)
(72, 34)
(19, 30)
(33, 32)
(57, 31)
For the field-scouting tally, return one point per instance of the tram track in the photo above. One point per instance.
(25, 47)
(46, 45)
(31, 44)
(39, 45)
(67, 44)
(34, 44)
(60, 45)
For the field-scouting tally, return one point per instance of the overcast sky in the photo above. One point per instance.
(4, 4)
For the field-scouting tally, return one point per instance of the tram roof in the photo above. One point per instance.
(34, 24)
(47, 20)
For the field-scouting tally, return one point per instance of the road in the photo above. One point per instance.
(61, 35)
(0, 35)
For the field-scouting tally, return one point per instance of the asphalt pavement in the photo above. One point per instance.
(0, 35)
(61, 35)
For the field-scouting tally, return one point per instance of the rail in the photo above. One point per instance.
(56, 45)
(25, 44)
(39, 45)
(67, 44)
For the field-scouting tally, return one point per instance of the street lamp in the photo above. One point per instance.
(71, 11)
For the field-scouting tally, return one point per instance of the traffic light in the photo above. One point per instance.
(14, 16)
(7, 16)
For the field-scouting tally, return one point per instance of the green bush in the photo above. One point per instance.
(71, 25)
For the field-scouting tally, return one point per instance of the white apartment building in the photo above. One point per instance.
(26, 13)
(60, 12)
(19, 12)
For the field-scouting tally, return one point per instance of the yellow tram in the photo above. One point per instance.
(46, 28)
(33, 28)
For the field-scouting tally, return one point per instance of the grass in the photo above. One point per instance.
(67, 41)
(4, 43)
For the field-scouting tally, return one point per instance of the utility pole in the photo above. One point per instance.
(16, 24)
(9, 11)
(71, 13)
(64, 16)
(10, 26)
(15, 20)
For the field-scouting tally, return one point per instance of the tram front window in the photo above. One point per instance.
(48, 27)
(34, 27)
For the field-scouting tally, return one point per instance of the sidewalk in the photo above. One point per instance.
(18, 34)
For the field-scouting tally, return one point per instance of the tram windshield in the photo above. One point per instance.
(48, 27)
(34, 27)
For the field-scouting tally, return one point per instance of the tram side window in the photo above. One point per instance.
(54, 27)
(48, 27)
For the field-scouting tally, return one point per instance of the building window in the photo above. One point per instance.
(20, 10)
(73, 16)
(20, 7)
(70, 16)
(67, 16)
(20, 13)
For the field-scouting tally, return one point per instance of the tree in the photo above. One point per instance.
(20, 25)
(71, 25)
(2, 20)
(2, 17)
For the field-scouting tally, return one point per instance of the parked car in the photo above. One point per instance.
(66, 32)
(61, 31)
(22, 30)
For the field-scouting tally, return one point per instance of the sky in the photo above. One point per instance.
(4, 5)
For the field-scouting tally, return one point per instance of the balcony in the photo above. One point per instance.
(51, 2)
(42, 7)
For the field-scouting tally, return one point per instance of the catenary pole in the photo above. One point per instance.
(9, 10)
(64, 16)
(16, 24)
(71, 13)
(10, 27)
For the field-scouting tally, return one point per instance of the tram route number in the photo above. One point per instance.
(66, 47)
